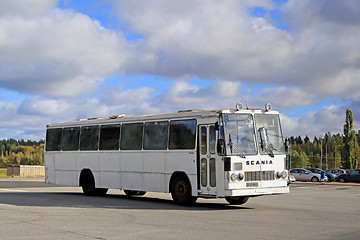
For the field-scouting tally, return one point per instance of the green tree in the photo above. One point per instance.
(350, 160)
(299, 160)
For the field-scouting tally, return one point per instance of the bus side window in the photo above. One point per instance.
(156, 135)
(212, 139)
(109, 137)
(70, 139)
(53, 139)
(182, 134)
(89, 138)
(131, 136)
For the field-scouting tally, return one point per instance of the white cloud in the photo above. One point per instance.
(40, 106)
(61, 53)
(28, 117)
(62, 56)
(283, 97)
(27, 8)
(118, 96)
(209, 39)
(219, 40)
(316, 123)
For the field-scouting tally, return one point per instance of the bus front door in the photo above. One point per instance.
(207, 163)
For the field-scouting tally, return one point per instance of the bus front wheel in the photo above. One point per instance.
(181, 191)
(237, 200)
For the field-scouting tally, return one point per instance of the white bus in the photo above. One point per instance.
(233, 154)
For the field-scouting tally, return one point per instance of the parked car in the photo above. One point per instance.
(291, 179)
(349, 176)
(305, 175)
(329, 176)
(335, 171)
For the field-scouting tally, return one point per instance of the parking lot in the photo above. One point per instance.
(31, 209)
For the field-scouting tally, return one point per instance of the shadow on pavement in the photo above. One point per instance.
(112, 201)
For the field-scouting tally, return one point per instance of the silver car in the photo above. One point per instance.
(304, 175)
(291, 179)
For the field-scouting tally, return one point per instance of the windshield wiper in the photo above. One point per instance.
(271, 153)
(230, 144)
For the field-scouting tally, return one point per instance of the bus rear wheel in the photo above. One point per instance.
(88, 185)
(237, 200)
(181, 191)
(134, 193)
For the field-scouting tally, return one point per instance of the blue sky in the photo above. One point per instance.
(67, 59)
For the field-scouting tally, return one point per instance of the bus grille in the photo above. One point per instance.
(259, 176)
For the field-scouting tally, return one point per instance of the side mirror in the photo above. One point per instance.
(287, 146)
(221, 147)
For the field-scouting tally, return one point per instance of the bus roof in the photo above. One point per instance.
(179, 115)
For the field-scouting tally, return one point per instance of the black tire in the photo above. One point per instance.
(134, 193)
(100, 191)
(315, 179)
(88, 185)
(237, 200)
(181, 191)
(342, 180)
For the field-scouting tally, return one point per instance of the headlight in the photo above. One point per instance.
(241, 176)
(283, 174)
(234, 177)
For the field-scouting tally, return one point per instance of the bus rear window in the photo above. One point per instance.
(182, 134)
(53, 139)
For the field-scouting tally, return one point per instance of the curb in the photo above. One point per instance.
(328, 183)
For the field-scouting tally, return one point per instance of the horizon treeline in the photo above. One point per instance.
(330, 151)
(21, 152)
(308, 153)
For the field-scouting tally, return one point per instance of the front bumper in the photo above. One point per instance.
(257, 191)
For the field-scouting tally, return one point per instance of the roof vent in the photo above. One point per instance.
(188, 110)
(117, 116)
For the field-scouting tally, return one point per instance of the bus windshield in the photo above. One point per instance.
(239, 134)
(270, 140)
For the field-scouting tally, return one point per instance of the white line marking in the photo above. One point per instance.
(11, 190)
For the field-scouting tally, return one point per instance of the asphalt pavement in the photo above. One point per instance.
(31, 209)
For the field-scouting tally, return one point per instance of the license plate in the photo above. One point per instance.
(252, 184)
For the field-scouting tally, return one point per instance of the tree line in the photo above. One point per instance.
(21, 152)
(328, 151)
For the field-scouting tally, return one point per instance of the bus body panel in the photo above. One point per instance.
(49, 160)
(155, 182)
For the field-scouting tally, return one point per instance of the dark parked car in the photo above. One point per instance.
(349, 176)
(329, 176)
(336, 171)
